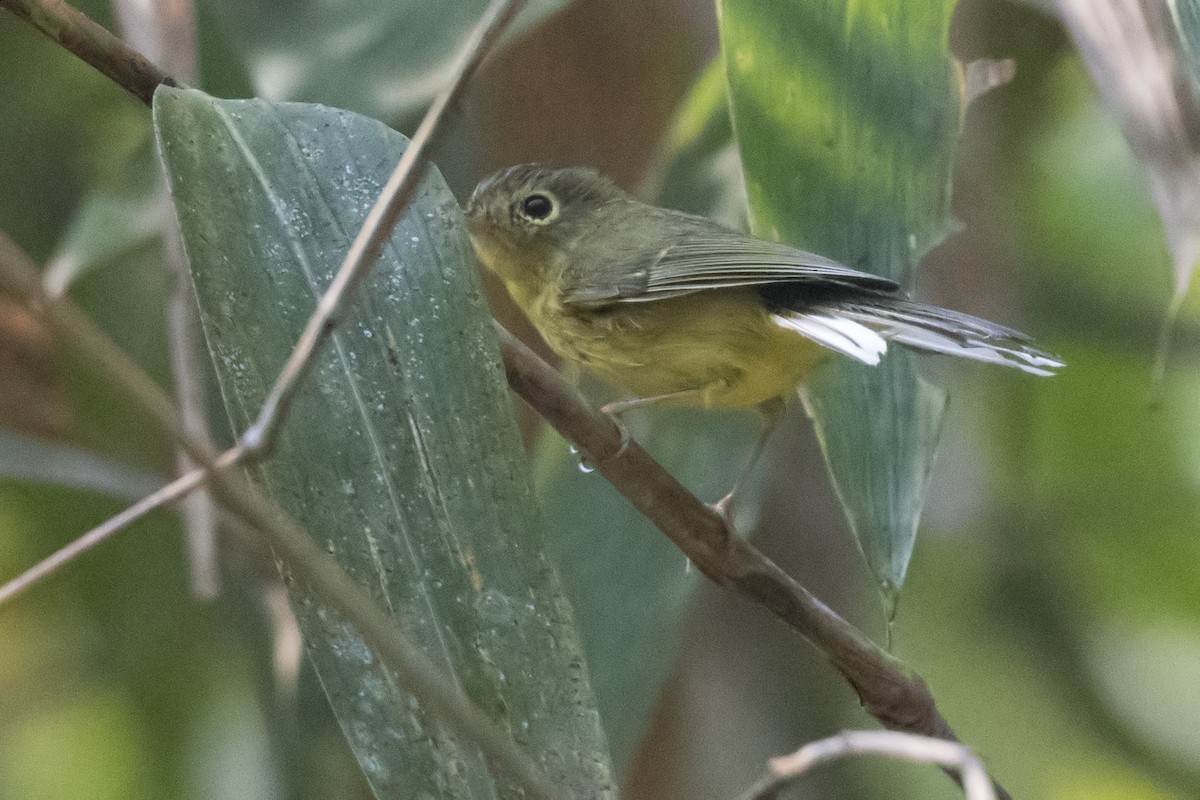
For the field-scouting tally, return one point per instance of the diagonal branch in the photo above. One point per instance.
(377, 228)
(175, 490)
(888, 690)
(93, 45)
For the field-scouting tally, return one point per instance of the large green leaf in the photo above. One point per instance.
(846, 115)
(401, 457)
(385, 58)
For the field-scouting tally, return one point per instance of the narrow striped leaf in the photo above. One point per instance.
(846, 115)
(400, 456)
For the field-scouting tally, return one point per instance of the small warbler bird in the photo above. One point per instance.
(677, 309)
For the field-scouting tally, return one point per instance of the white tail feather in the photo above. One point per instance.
(837, 333)
(862, 332)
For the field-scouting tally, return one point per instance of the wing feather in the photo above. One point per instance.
(713, 259)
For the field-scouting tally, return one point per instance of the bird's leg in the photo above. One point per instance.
(770, 413)
(617, 409)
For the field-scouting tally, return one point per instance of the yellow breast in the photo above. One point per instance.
(722, 345)
(719, 345)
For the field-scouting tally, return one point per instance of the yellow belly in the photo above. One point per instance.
(720, 346)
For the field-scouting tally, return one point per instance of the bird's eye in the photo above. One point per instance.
(537, 207)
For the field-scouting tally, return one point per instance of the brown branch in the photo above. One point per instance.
(887, 689)
(93, 44)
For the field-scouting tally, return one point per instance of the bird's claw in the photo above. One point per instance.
(626, 437)
(724, 507)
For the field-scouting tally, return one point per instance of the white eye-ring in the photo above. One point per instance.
(538, 207)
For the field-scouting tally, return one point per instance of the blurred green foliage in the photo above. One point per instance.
(1050, 604)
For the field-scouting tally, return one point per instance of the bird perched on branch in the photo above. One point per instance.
(677, 309)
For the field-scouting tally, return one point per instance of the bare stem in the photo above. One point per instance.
(165, 31)
(186, 346)
(393, 199)
(173, 491)
(904, 746)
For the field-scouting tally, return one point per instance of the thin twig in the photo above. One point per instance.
(308, 564)
(93, 45)
(905, 746)
(175, 490)
(377, 228)
(53, 18)
(186, 344)
(305, 560)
